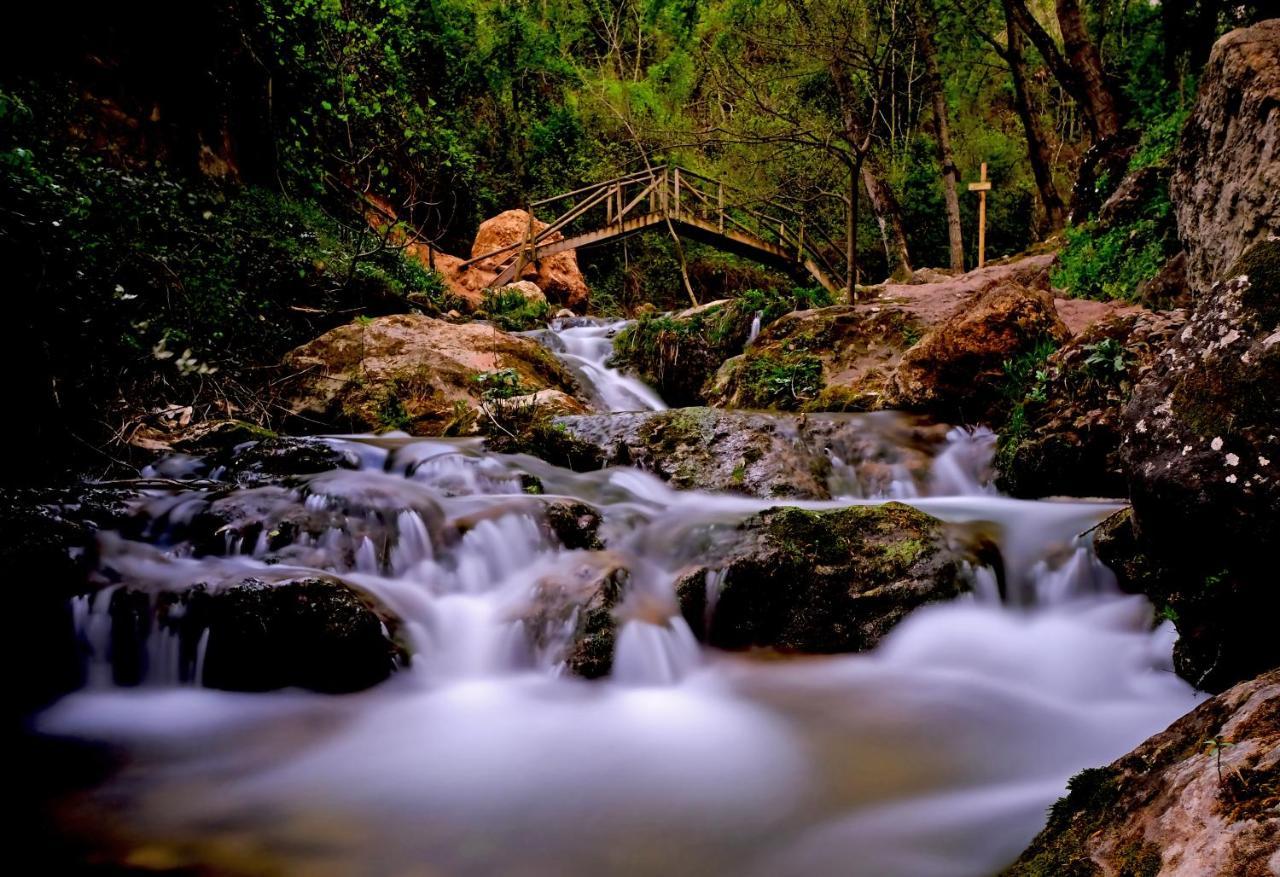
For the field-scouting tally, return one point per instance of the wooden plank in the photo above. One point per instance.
(979, 187)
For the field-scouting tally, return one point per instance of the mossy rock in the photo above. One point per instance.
(821, 581)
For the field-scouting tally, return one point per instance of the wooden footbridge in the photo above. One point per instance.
(693, 205)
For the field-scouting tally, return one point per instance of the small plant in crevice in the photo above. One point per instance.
(501, 384)
(1026, 385)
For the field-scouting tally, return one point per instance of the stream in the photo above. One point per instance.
(934, 755)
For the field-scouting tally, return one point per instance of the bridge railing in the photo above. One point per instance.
(637, 200)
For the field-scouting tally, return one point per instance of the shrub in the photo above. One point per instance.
(512, 311)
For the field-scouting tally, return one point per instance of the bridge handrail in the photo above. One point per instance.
(663, 186)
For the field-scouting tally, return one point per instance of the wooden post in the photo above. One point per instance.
(982, 187)
(720, 204)
(608, 210)
(677, 191)
(800, 242)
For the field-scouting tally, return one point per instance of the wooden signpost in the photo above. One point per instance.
(982, 187)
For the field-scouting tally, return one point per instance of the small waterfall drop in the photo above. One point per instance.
(585, 346)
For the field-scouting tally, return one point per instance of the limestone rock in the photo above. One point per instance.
(558, 276)
(1196, 800)
(1074, 432)
(766, 455)
(1226, 180)
(1202, 456)
(409, 372)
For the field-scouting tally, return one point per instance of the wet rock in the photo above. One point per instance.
(314, 633)
(274, 460)
(957, 370)
(572, 620)
(575, 525)
(1068, 441)
(47, 551)
(1196, 800)
(767, 455)
(1226, 180)
(1202, 457)
(412, 373)
(830, 581)
(257, 634)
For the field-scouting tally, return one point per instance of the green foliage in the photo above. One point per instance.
(1026, 382)
(502, 384)
(1107, 360)
(512, 311)
(780, 380)
(1159, 140)
(1112, 264)
(773, 303)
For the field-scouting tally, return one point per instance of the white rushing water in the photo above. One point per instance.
(935, 754)
(585, 345)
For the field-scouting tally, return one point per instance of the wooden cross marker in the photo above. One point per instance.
(982, 187)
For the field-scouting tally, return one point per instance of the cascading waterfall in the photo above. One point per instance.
(585, 345)
(935, 754)
(755, 326)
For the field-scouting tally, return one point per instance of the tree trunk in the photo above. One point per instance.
(1037, 148)
(946, 158)
(851, 232)
(1086, 61)
(1079, 71)
(889, 217)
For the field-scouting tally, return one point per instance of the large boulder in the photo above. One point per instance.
(765, 455)
(1202, 456)
(1196, 800)
(958, 369)
(557, 276)
(837, 358)
(1226, 181)
(1068, 439)
(820, 582)
(413, 373)
(256, 634)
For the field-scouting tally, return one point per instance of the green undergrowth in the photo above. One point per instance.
(512, 311)
(784, 379)
(1025, 384)
(150, 289)
(1105, 263)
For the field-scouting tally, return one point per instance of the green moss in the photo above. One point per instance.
(1261, 263)
(1061, 849)
(905, 552)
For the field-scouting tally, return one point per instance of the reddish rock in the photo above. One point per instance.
(958, 368)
